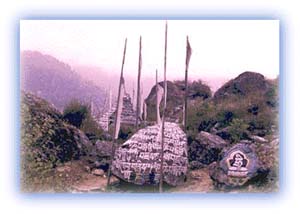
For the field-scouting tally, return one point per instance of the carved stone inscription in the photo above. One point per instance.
(237, 164)
(138, 159)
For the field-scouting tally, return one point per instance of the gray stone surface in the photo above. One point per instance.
(238, 164)
(138, 159)
(205, 149)
(211, 140)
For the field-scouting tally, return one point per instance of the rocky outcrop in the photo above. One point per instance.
(175, 98)
(99, 155)
(246, 83)
(45, 133)
(46, 140)
(138, 160)
(211, 140)
(205, 149)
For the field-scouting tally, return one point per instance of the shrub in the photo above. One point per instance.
(238, 130)
(75, 113)
(79, 115)
(91, 128)
(126, 132)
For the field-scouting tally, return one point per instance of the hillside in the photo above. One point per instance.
(243, 85)
(243, 114)
(46, 140)
(249, 102)
(55, 81)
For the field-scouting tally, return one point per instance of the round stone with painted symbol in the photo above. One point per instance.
(237, 165)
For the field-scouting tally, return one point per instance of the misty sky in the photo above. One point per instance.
(221, 48)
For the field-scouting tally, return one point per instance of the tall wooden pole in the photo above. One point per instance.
(163, 117)
(116, 122)
(157, 99)
(138, 101)
(133, 96)
(186, 94)
(188, 56)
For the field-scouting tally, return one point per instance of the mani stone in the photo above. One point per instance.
(138, 160)
(237, 165)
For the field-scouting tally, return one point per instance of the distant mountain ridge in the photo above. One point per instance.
(55, 81)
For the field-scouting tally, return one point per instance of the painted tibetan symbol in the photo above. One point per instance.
(237, 163)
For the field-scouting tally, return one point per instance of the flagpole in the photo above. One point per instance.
(157, 99)
(164, 110)
(138, 102)
(132, 97)
(188, 56)
(186, 88)
(116, 122)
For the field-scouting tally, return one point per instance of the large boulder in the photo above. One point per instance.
(138, 160)
(205, 149)
(211, 140)
(238, 165)
(175, 98)
(246, 83)
(100, 154)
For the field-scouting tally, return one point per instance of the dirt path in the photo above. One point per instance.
(77, 177)
(198, 181)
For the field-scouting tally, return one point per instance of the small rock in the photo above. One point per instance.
(114, 180)
(98, 172)
(63, 169)
(196, 175)
(259, 139)
(274, 142)
(245, 141)
(87, 168)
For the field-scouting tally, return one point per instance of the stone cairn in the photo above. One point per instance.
(138, 159)
(105, 120)
(127, 116)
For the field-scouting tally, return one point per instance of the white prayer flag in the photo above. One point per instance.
(119, 109)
